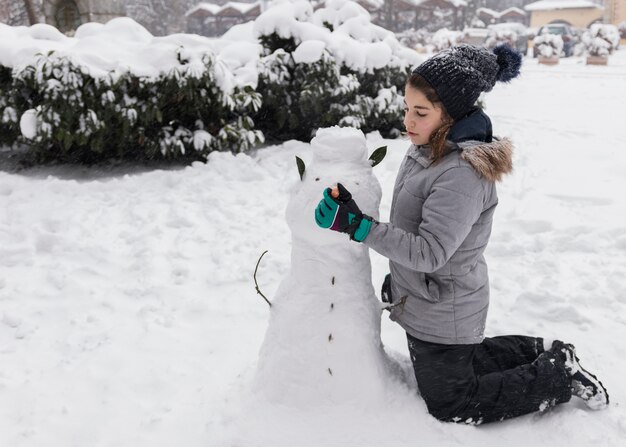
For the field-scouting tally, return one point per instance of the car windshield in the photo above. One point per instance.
(555, 30)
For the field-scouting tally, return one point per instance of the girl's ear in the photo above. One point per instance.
(378, 155)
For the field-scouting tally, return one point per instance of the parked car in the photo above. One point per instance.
(566, 33)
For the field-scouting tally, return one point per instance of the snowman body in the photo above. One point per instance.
(322, 345)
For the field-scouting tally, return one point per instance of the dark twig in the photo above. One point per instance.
(256, 285)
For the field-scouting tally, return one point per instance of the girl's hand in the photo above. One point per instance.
(339, 212)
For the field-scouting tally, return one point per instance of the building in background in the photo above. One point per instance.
(67, 15)
(615, 11)
(490, 17)
(516, 15)
(577, 13)
(214, 19)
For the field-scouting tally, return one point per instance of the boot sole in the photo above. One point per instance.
(597, 401)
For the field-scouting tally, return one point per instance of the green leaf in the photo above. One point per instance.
(301, 167)
(378, 155)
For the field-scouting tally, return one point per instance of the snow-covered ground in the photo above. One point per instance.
(128, 314)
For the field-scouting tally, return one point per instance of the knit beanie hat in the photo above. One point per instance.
(462, 72)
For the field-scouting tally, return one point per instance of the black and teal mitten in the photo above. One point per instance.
(342, 214)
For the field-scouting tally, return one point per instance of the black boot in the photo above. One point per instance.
(584, 384)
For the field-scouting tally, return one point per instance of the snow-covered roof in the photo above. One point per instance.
(488, 11)
(454, 3)
(515, 10)
(547, 5)
(496, 14)
(242, 8)
(372, 3)
(204, 7)
(213, 9)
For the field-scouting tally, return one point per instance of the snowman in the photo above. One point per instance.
(322, 345)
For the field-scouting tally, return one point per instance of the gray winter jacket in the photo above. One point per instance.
(440, 223)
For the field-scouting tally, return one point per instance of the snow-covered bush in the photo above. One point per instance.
(303, 91)
(548, 45)
(148, 100)
(413, 38)
(508, 33)
(328, 67)
(9, 120)
(180, 114)
(445, 38)
(601, 39)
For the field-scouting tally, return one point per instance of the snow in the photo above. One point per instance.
(122, 45)
(547, 5)
(337, 12)
(214, 9)
(107, 51)
(445, 38)
(205, 7)
(128, 314)
(354, 41)
(548, 44)
(309, 51)
(28, 124)
(489, 11)
(513, 9)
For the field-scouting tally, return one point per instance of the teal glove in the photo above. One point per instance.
(342, 214)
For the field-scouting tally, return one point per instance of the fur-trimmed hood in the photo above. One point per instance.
(473, 135)
(491, 160)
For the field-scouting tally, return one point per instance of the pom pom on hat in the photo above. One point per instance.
(509, 61)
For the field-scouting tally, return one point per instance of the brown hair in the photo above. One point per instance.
(437, 139)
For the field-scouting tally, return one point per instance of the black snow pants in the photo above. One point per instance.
(500, 378)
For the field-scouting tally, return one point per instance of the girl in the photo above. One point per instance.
(440, 222)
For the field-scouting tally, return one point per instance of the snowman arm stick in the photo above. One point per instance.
(255, 283)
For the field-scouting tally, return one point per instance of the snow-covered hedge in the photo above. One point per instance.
(9, 106)
(328, 67)
(601, 39)
(548, 45)
(114, 91)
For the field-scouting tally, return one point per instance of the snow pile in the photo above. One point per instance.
(601, 39)
(354, 41)
(309, 51)
(123, 46)
(215, 10)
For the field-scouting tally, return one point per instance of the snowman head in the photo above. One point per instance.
(340, 155)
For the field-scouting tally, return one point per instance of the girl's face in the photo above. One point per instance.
(421, 117)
